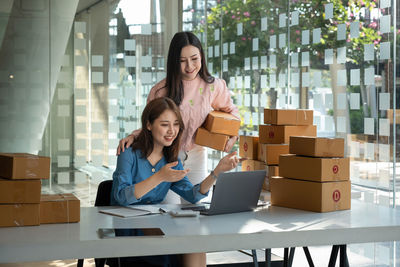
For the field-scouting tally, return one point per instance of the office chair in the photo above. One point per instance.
(103, 198)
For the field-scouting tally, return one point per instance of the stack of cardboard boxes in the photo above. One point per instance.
(217, 129)
(263, 151)
(21, 202)
(315, 176)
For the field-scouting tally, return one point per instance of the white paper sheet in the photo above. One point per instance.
(97, 77)
(146, 61)
(263, 82)
(341, 124)
(341, 77)
(369, 76)
(384, 51)
(129, 45)
(328, 101)
(272, 80)
(355, 101)
(246, 63)
(263, 62)
(225, 49)
(63, 111)
(295, 79)
(329, 11)
(354, 149)
(305, 37)
(384, 101)
(294, 59)
(355, 29)
(282, 40)
(305, 79)
(239, 82)
(63, 144)
(328, 56)
(369, 126)
(255, 44)
(247, 82)
(341, 99)
(130, 61)
(369, 151)
(316, 35)
(80, 61)
(384, 127)
(216, 51)
(355, 77)
(97, 60)
(146, 29)
(318, 102)
(282, 80)
(282, 20)
(79, 44)
(254, 63)
(384, 152)
(272, 61)
(232, 47)
(239, 29)
(272, 41)
(264, 24)
(210, 51)
(305, 59)
(80, 27)
(255, 100)
(80, 110)
(216, 35)
(113, 77)
(239, 98)
(225, 65)
(317, 78)
(341, 32)
(368, 52)
(384, 24)
(63, 178)
(294, 18)
(385, 3)
(329, 123)
(341, 55)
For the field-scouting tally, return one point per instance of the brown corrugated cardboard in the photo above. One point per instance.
(253, 165)
(24, 166)
(317, 146)
(59, 208)
(248, 146)
(280, 134)
(273, 170)
(308, 195)
(19, 191)
(19, 215)
(212, 140)
(269, 153)
(288, 116)
(314, 169)
(222, 123)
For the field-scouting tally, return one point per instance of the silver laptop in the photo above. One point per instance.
(236, 192)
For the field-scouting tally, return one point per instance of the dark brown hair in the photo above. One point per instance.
(151, 112)
(174, 77)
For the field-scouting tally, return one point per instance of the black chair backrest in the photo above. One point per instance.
(103, 197)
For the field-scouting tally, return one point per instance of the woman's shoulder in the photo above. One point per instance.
(159, 85)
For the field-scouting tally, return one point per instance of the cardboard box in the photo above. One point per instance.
(248, 146)
(24, 166)
(253, 165)
(212, 140)
(308, 195)
(19, 191)
(317, 146)
(288, 116)
(273, 170)
(269, 153)
(314, 169)
(280, 134)
(222, 123)
(59, 208)
(19, 215)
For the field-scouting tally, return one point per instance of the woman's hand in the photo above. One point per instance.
(232, 140)
(167, 174)
(227, 163)
(125, 143)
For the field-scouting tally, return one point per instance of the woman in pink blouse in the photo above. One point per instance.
(196, 92)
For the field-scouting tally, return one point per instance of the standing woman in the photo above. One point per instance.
(197, 93)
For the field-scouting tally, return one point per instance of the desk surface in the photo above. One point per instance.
(272, 227)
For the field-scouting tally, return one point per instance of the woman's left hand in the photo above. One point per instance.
(232, 140)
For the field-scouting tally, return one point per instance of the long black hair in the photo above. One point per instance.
(174, 77)
(151, 112)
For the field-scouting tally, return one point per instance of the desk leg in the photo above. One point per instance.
(267, 257)
(344, 262)
(286, 257)
(79, 263)
(308, 256)
(334, 253)
(291, 256)
(254, 255)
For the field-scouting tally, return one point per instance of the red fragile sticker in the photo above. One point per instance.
(245, 146)
(336, 195)
(271, 134)
(335, 169)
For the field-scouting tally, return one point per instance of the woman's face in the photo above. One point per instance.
(165, 128)
(190, 62)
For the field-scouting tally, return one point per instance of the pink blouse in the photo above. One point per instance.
(199, 99)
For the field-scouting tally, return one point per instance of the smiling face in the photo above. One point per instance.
(190, 62)
(164, 129)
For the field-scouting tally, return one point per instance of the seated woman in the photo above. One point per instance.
(150, 167)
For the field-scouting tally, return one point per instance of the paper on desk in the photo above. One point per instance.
(126, 211)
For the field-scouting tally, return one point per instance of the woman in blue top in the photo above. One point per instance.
(150, 167)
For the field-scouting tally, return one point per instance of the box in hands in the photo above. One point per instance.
(222, 123)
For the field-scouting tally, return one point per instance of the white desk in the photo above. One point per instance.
(272, 227)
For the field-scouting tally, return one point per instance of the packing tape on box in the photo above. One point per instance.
(304, 113)
(32, 162)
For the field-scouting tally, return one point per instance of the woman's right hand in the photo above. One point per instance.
(125, 143)
(167, 174)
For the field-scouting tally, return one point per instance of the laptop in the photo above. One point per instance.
(236, 192)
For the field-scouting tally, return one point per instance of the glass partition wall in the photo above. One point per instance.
(74, 80)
